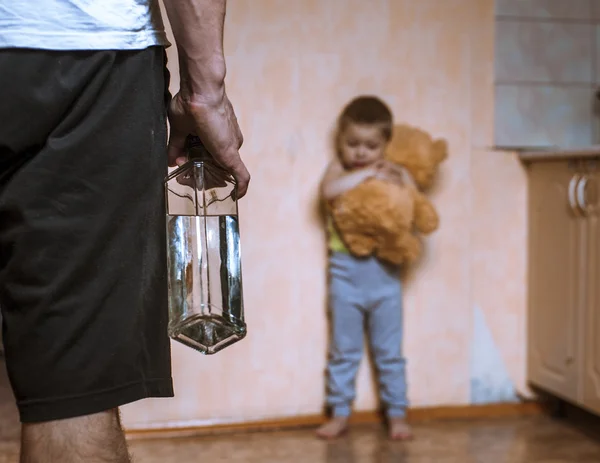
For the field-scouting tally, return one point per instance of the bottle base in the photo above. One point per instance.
(208, 334)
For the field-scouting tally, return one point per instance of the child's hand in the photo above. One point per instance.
(389, 172)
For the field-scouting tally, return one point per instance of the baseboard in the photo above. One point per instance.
(415, 415)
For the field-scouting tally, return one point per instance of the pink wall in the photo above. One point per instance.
(292, 65)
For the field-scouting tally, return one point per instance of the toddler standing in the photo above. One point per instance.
(364, 293)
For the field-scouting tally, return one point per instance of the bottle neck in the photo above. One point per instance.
(197, 152)
(196, 149)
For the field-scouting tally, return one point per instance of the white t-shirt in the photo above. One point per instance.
(81, 24)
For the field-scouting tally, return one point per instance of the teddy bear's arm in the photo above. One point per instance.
(426, 217)
(355, 221)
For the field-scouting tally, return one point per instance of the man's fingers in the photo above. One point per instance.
(242, 179)
(242, 186)
(176, 152)
(234, 164)
(240, 138)
(236, 126)
(219, 130)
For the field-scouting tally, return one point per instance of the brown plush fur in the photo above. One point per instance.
(383, 219)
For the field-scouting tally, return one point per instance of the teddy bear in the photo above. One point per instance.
(383, 219)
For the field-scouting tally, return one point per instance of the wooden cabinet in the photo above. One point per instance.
(554, 257)
(590, 326)
(564, 280)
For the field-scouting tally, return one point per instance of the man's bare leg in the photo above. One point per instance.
(97, 438)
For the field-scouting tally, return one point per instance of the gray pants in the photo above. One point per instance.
(365, 294)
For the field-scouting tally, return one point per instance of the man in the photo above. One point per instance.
(83, 153)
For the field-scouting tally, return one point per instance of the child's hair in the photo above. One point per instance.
(367, 110)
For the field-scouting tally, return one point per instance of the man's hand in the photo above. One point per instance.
(201, 107)
(214, 121)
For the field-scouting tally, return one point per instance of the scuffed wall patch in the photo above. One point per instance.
(490, 381)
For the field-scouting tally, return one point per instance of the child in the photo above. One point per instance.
(363, 292)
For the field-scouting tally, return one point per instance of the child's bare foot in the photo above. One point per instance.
(334, 428)
(399, 429)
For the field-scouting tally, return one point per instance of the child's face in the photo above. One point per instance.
(361, 145)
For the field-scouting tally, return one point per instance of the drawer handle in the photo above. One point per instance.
(581, 185)
(573, 193)
(583, 196)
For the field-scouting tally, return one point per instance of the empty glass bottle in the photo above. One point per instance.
(205, 279)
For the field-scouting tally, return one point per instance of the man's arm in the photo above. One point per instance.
(202, 106)
(198, 29)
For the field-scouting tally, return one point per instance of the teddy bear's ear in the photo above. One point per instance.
(440, 149)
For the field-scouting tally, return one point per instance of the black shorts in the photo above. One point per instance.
(83, 288)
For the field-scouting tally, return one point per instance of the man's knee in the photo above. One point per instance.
(91, 438)
(108, 419)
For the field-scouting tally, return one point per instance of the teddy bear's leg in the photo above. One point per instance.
(391, 255)
(360, 245)
(412, 248)
(405, 250)
(426, 217)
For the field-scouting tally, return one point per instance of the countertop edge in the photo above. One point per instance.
(559, 154)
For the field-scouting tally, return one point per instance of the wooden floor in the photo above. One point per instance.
(508, 440)
(524, 440)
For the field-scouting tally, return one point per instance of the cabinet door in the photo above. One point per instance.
(555, 236)
(590, 326)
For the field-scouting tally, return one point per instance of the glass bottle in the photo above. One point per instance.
(206, 309)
